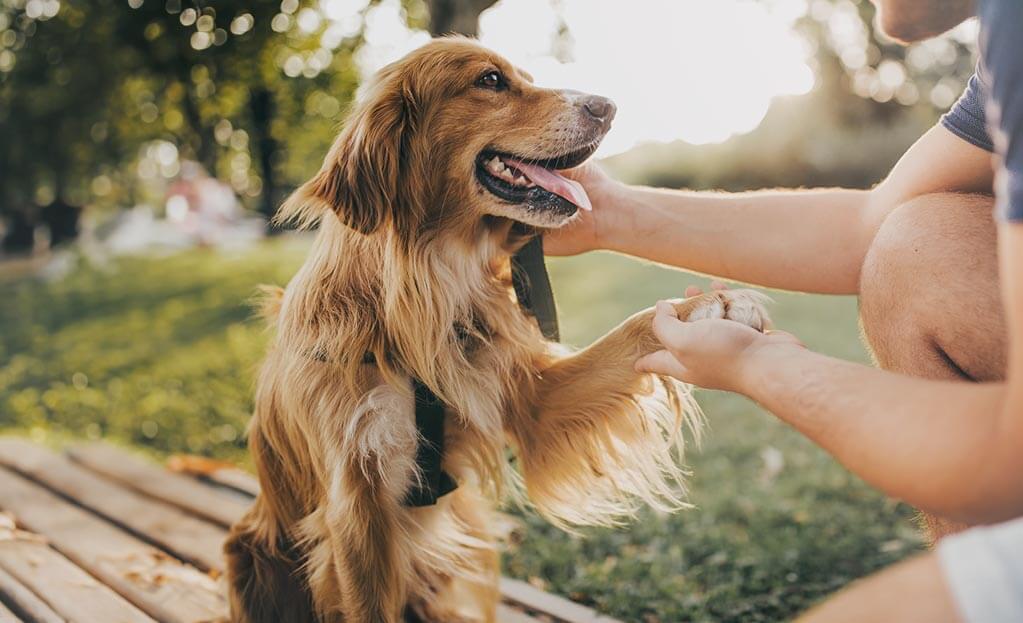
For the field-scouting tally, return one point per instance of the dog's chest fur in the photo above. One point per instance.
(446, 315)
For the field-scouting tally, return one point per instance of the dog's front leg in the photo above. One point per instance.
(363, 553)
(599, 437)
(358, 562)
(610, 360)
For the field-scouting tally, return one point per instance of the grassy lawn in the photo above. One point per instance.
(160, 353)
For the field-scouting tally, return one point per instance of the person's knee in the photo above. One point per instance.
(890, 271)
(931, 262)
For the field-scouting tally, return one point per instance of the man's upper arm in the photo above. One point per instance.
(939, 162)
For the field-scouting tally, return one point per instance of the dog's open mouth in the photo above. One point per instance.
(533, 183)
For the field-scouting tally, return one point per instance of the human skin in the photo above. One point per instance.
(947, 447)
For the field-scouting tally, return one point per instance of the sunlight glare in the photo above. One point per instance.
(696, 70)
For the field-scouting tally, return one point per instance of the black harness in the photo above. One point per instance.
(533, 289)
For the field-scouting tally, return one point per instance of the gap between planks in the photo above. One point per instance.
(68, 591)
(25, 602)
(185, 492)
(165, 588)
(190, 538)
(220, 496)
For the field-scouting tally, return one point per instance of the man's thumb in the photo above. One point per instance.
(668, 329)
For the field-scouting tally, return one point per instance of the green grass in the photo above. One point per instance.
(160, 353)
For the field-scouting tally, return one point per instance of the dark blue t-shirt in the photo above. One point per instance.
(990, 112)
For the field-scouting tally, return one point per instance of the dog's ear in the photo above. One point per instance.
(361, 176)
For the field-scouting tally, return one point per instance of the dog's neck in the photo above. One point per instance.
(444, 313)
(423, 306)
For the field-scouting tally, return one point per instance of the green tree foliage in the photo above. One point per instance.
(99, 96)
(456, 16)
(99, 99)
(244, 88)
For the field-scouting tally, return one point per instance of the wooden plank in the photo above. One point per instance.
(507, 614)
(148, 478)
(535, 600)
(519, 594)
(6, 616)
(164, 588)
(69, 591)
(25, 602)
(189, 538)
(219, 473)
(235, 479)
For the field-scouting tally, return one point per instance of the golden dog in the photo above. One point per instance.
(446, 167)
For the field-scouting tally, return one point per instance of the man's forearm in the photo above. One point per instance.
(946, 447)
(810, 241)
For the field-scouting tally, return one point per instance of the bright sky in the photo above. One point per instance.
(696, 70)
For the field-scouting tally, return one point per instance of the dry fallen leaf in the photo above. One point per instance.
(9, 530)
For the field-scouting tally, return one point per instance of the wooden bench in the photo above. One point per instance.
(98, 535)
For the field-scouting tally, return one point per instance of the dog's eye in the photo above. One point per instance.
(492, 80)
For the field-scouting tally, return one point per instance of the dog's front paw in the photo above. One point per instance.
(745, 306)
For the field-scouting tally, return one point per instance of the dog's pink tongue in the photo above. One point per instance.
(554, 182)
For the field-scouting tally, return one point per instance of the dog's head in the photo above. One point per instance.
(453, 133)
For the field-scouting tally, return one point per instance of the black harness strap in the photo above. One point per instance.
(533, 289)
(433, 481)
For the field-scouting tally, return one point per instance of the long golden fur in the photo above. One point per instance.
(411, 264)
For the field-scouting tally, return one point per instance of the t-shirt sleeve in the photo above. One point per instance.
(1002, 50)
(968, 117)
(984, 572)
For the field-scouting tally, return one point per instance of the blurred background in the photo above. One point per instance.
(145, 143)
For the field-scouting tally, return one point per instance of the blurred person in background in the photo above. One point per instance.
(940, 425)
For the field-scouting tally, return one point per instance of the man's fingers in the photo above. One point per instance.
(664, 308)
(668, 329)
(661, 362)
(697, 290)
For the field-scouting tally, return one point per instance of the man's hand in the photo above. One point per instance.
(584, 232)
(716, 354)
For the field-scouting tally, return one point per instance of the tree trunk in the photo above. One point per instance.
(459, 17)
(62, 220)
(261, 105)
(203, 143)
(20, 233)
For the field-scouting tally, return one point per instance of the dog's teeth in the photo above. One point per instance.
(495, 166)
(520, 179)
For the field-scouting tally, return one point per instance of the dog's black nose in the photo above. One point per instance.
(600, 108)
